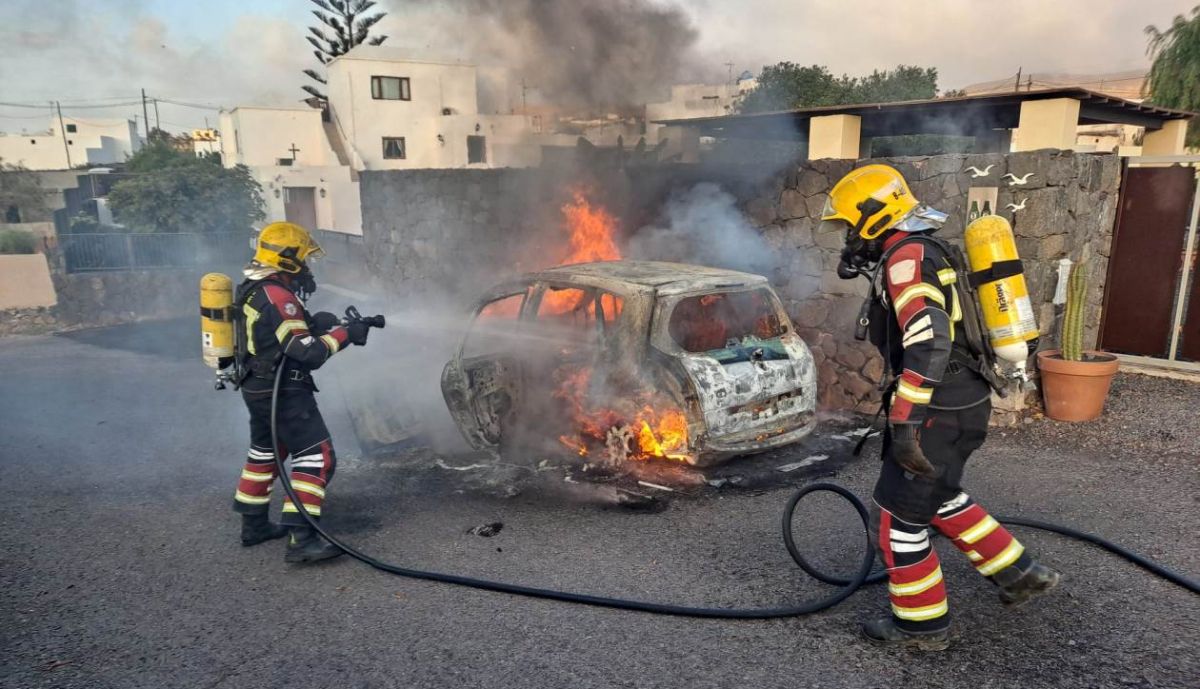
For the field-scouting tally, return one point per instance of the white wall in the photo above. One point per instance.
(94, 142)
(695, 100)
(261, 136)
(338, 211)
(435, 88)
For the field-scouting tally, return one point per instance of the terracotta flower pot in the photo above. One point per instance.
(1075, 390)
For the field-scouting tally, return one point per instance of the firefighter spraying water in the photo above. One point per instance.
(249, 338)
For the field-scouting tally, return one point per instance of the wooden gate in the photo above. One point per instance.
(1151, 301)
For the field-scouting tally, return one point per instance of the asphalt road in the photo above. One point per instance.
(120, 565)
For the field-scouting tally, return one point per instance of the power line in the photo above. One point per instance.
(70, 107)
(190, 105)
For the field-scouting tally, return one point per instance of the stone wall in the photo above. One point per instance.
(455, 232)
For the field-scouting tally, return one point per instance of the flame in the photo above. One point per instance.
(658, 428)
(593, 231)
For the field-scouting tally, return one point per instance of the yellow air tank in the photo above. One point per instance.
(216, 319)
(1003, 297)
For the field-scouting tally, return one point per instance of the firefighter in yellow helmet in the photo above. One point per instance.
(274, 329)
(938, 404)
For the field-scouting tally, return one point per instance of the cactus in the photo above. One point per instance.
(1071, 338)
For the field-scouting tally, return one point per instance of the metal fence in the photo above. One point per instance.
(141, 251)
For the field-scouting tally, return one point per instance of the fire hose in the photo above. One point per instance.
(864, 574)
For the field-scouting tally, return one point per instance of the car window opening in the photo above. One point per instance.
(729, 326)
(581, 310)
(496, 328)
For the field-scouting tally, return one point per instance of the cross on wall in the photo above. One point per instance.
(294, 151)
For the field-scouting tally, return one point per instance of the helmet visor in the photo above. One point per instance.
(921, 218)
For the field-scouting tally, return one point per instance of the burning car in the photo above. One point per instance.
(632, 360)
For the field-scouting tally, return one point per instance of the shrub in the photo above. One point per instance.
(17, 242)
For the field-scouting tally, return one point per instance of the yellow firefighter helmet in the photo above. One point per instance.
(872, 199)
(285, 246)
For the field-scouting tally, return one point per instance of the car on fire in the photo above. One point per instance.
(625, 359)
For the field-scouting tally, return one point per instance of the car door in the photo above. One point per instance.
(481, 384)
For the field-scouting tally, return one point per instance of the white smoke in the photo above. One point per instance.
(703, 225)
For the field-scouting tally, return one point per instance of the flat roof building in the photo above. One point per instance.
(1018, 121)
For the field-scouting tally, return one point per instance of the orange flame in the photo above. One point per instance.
(592, 230)
(659, 429)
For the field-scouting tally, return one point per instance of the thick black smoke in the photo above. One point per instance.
(603, 53)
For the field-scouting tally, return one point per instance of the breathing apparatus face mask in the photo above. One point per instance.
(303, 283)
(858, 254)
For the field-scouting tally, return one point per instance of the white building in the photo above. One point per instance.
(396, 113)
(83, 143)
(385, 113)
(697, 100)
(288, 151)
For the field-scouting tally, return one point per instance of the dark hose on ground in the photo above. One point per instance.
(848, 585)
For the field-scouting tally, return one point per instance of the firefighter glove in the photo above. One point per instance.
(906, 450)
(357, 330)
(323, 321)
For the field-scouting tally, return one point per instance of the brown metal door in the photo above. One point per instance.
(300, 206)
(1145, 261)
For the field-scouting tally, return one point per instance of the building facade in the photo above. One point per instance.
(394, 113)
(76, 143)
(289, 153)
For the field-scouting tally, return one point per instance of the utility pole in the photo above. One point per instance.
(156, 124)
(146, 116)
(730, 66)
(1029, 83)
(1017, 84)
(62, 129)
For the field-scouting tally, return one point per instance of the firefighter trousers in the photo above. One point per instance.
(303, 435)
(905, 506)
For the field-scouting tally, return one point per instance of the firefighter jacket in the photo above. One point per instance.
(924, 341)
(277, 331)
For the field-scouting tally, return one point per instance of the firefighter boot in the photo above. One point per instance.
(256, 528)
(884, 632)
(1028, 585)
(304, 545)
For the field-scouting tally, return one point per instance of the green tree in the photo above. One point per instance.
(1175, 73)
(21, 196)
(174, 191)
(347, 25)
(788, 86)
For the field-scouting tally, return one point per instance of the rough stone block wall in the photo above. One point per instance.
(456, 232)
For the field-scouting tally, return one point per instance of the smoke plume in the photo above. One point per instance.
(703, 225)
(612, 53)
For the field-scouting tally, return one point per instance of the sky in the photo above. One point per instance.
(250, 52)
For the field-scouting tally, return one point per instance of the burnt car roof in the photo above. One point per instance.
(665, 277)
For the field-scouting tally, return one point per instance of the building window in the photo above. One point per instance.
(390, 88)
(476, 149)
(70, 129)
(393, 147)
(284, 162)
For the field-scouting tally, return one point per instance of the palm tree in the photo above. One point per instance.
(348, 25)
(1175, 74)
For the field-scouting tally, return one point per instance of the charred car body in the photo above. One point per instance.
(627, 360)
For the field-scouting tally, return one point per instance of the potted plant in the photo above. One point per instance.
(1074, 382)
